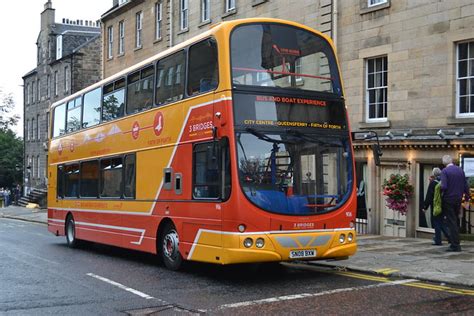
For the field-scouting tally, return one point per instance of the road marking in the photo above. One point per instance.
(417, 284)
(386, 271)
(306, 295)
(121, 286)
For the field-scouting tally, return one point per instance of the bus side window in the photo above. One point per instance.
(113, 105)
(203, 67)
(74, 112)
(129, 176)
(90, 179)
(91, 108)
(71, 180)
(205, 179)
(59, 120)
(170, 76)
(140, 90)
(60, 182)
(111, 177)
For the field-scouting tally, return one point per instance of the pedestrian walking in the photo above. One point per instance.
(17, 194)
(436, 220)
(453, 187)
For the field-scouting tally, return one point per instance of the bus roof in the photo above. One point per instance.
(219, 27)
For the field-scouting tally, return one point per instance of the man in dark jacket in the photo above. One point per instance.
(453, 187)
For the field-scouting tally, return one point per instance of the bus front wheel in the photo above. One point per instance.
(170, 248)
(71, 240)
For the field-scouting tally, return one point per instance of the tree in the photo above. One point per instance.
(11, 146)
(11, 158)
(6, 106)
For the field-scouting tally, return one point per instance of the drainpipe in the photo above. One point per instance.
(171, 24)
(334, 22)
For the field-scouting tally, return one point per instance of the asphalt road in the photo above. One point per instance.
(40, 275)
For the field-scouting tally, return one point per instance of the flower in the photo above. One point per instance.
(397, 189)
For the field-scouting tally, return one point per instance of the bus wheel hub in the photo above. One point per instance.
(171, 245)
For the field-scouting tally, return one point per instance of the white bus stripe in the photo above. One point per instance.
(121, 286)
(136, 230)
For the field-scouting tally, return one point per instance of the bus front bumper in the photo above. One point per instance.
(285, 246)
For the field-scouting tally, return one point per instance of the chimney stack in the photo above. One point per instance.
(47, 16)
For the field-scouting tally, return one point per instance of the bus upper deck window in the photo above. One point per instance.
(203, 67)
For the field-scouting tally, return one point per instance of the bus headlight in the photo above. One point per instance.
(342, 238)
(350, 237)
(260, 242)
(241, 228)
(248, 242)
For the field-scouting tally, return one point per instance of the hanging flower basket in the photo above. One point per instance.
(397, 189)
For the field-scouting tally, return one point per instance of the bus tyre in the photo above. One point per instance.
(169, 242)
(71, 240)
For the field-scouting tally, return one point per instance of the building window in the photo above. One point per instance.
(183, 15)
(158, 20)
(32, 172)
(27, 94)
(38, 134)
(465, 79)
(56, 79)
(121, 2)
(121, 46)
(372, 3)
(59, 47)
(38, 91)
(67, 75)
(48, 86)
(110, 41)
(376, 93)
(229, 5)
(38, 164)
(32, 129)
(138, 29)
(33, 91)
(27, 126)
(205, 11)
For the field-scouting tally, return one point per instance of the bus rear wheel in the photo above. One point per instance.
(169, 246)
(71, 240)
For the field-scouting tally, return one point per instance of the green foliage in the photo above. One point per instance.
(7, 104)
(11, 146)
(397, 189)
(11, 159)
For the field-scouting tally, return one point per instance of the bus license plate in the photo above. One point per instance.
(309, 253)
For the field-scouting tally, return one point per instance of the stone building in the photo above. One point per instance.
(68, 59)
(408, 70)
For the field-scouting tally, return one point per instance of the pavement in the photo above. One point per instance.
(413, 258)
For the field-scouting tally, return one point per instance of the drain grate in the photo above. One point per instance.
(162, 310)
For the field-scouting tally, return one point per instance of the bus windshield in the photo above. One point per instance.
(294, 173)
(276, 55)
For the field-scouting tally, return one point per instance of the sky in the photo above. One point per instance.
(20, 25)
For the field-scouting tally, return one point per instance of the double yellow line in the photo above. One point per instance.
(421, 285)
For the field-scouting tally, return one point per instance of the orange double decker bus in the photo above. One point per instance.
(232, 147)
